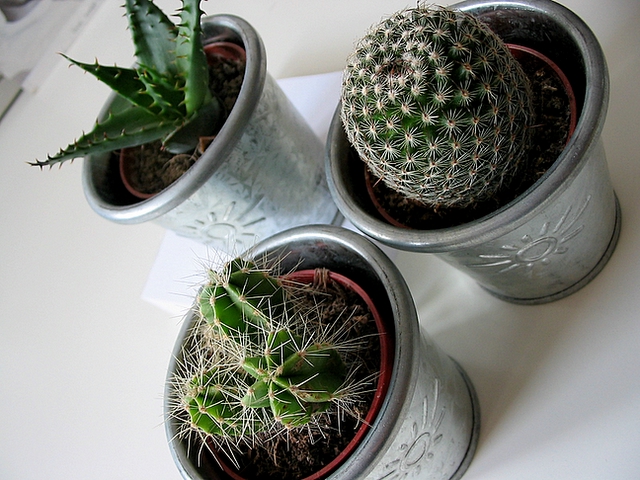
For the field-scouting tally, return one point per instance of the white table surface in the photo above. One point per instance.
(83, 357)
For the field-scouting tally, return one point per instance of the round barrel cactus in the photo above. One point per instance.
(436, 106)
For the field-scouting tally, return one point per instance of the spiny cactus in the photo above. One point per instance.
(267, 365)
(211, 398)
(167, 91)
(436, 106)
(237, 301)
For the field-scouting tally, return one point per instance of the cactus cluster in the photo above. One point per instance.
(436, 106)
(262, 360)
(167, 92)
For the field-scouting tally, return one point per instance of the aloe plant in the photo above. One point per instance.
(167, 92)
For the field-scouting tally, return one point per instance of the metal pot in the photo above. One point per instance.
(261, 175)
(428, 423)
(555, 237)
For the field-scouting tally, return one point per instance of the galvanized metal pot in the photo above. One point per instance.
(556, 236)
(262, 174)
(428, 424)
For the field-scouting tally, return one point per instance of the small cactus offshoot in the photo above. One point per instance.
(262, 361)
(167, 91)
(436, 106)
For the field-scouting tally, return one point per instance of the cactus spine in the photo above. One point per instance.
(436, 106)
(261, 361)
(167, 92)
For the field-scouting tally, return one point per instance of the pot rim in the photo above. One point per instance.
(529, 203)
(215, 154)
(365, 260)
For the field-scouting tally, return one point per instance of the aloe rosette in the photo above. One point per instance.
(436, 106)
(167, 92)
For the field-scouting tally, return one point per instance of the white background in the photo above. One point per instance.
(83, 358)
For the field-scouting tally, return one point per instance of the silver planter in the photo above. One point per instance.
(428, 424)
(263, 173)
(556, 236)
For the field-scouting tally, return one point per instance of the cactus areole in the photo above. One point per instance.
(437, 107)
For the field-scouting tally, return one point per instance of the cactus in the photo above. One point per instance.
(436, 106)
(167, 92)
(267, 366)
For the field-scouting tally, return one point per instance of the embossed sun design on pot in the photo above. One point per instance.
(230, 223)
(539, 250)
(415, 454)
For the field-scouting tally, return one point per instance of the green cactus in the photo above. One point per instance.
(212, 402)
(167, 92)
(294, 380)
(266, 367)
(436, 106)
(238, 300)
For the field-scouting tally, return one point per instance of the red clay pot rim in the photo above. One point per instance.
(224, 49)
(125, 168)
(516, 51)
(386, 366)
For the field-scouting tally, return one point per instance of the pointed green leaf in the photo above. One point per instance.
(124, 81)
(167, 96)
(153, 35)
(190, 56)
(128, 128)
(204, 123)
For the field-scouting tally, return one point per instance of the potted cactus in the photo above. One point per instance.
(269, 368)
(199, 95)
(439, 103)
